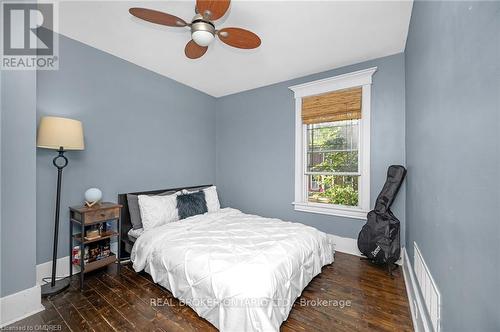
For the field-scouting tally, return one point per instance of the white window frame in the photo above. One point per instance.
(361, 78)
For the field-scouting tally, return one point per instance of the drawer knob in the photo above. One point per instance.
(103, 214)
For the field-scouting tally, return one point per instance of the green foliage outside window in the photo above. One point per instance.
(342, 195)
(331, 149)
(339, 190)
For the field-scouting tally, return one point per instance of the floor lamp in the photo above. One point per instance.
(59, 134)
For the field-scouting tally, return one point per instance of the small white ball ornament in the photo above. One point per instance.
(92, 196)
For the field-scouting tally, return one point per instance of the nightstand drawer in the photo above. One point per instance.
(101, 215)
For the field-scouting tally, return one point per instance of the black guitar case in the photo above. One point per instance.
(379, 239)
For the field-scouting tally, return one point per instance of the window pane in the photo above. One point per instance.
(333, 146)
(333, 189)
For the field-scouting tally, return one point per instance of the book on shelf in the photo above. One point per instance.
(92, 252)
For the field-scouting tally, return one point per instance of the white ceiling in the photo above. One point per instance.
(298, 38)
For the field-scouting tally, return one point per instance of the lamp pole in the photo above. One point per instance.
(60, 161)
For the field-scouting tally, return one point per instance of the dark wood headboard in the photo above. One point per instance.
(126, 224)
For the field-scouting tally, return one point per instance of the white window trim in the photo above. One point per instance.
(361, 78)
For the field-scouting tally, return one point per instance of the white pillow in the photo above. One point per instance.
(212, 199)
(158, 210)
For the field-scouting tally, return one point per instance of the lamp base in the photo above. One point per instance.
(59, 286)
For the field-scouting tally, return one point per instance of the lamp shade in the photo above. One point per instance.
(54, 132)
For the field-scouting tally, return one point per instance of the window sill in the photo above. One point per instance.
(332, 210)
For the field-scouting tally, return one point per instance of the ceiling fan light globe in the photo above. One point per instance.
(202, 38)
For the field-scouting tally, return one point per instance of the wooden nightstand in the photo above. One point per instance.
(100, 216)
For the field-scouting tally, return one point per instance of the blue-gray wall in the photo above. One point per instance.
(142, 131)
(18, 189)
(452, 151)
(255, 146)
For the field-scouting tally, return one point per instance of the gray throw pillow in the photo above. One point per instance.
(191, 204)
(134, 210)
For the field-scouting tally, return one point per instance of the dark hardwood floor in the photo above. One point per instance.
(349, 295)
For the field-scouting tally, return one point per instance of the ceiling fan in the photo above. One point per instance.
(203, 29)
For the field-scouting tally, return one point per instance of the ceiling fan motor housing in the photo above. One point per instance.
(202, 31)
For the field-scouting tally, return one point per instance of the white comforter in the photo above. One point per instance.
(240, 272)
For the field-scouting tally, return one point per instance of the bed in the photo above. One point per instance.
(240, 272)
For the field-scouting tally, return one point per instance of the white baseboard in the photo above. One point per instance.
(20, 305)
(421, 323)
(350, 246)
(346, 245)
(44, 270)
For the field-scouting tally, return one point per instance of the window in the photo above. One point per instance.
(333, 162)
(332, 145)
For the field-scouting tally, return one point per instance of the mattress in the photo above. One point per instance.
(240, 272)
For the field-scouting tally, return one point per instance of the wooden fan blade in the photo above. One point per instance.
(212, 9)
(240, 38)
(194, 51)
(157, 17)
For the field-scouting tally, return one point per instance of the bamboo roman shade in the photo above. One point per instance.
(333, 106)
